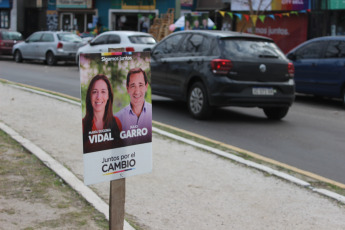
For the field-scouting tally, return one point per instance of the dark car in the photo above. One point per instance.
(320, 67)
(7, 39)
(48, 46)
(208, 69)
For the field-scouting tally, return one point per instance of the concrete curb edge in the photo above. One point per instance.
(63, 173)
(251, 164)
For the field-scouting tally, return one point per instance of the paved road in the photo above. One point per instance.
(309, 138)
(189, 188)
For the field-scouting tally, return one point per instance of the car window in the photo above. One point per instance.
(69, 37)
(169, 45)
(47, 38)
(214, 48)
(100, 40)
(196, 44)
(35, 37)
(114, 39)
(335, 49)
(250, 48)
(9, 35)
(310, 51)
(142, 40)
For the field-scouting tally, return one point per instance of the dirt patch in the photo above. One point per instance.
(33, 197)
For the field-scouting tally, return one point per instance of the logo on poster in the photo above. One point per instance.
(118, 163)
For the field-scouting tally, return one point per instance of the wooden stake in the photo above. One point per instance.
(117, 204)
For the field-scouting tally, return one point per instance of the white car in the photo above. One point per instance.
(132, 41)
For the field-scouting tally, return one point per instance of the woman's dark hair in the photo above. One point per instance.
(108, 118)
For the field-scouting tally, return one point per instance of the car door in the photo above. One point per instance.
(29, 49)
(307, 66)
(188, 61)
(162, 54)
(331, 69)
(46, 43)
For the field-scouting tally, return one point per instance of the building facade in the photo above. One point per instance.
(288, 22)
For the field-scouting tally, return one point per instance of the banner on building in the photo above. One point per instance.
(85, 4)
(287, 32)
(195, 21)
(270, 5)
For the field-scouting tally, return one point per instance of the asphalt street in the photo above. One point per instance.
(191, 186)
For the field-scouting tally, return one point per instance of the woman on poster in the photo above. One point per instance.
(101, 130)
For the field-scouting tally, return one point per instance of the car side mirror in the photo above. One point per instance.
(291, 56)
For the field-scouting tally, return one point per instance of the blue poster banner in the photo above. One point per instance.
(5, 4)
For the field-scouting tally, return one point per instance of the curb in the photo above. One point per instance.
(63, 173)
(101, 206)
(251, 164)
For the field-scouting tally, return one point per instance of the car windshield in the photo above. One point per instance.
(249, 48)
(11, 35)
(142, 40)
(68, 37)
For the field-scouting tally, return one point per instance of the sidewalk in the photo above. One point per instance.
(188, 189)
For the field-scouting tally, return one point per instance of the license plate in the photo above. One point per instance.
(263, 91)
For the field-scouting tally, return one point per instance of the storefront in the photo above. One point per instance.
(76, 15)
(5, 14)
(133, 15)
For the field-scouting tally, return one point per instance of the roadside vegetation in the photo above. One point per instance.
(33, 197)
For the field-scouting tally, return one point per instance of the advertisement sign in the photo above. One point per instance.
(5, 4)
(270, 5)
(196, 21)
(287, 32)
(117, 115)
(74, 4)
(336, 4)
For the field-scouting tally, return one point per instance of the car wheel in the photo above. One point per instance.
(50, 58)
(18, 56)
(276, 113)
(198, 102)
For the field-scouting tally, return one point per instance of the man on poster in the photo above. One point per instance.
(136, 118)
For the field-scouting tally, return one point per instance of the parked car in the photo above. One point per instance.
(7, 39)
(48, 46)
(130, 40)
(320, 67)
(209, 69)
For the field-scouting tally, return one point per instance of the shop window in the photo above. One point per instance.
(4, 19)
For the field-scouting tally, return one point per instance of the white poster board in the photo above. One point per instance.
(117, 115)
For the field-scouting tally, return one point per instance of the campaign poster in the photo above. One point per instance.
(196, 21)
(116, 115)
